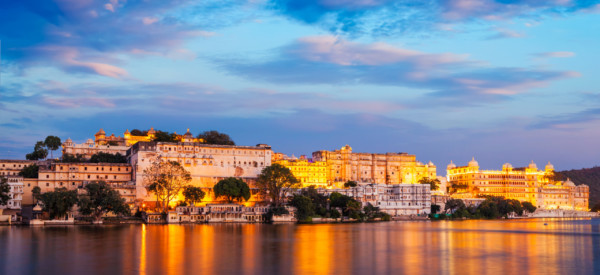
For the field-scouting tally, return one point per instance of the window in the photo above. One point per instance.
(47, 176)
(85, 168)
(88, 176)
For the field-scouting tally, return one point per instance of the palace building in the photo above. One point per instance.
(523, 183)
(307, 171)
(207, 163)
(389, 168)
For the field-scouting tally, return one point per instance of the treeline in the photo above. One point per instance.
(310, 204)
(98, 200)
(491, 208)
(95, 158)
(587, 176)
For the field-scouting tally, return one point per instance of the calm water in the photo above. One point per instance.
(460, 247)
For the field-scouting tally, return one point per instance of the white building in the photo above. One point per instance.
(394, 199)
(16, 193)
(207, 163)
(90, 148)
(218, 213)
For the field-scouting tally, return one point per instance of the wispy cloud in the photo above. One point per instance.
(556, 54)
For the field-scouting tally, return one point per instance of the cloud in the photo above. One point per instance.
(393, 17)
(556, 54)
(506, 33)
(331, 60)
(149, 20)
(568, 121)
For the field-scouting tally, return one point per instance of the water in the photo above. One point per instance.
(458, 247)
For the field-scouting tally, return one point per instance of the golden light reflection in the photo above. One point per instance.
(142, 268)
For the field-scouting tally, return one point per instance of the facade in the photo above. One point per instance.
(90, 148)
(76, 175)
(10, 167)
(218, 213)
(15, 193)
(524, 184)
(396, 200)
(308, 172)
(207, 163)
(389, 168)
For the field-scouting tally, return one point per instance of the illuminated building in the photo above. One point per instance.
(523, 184)
(75, 175)
(9, 167)
(229, 212)
(116, 144)
(389, 168)
(396, 200)
(307, 172)
(15, 193)
(206, 163)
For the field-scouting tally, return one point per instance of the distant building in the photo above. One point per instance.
(207, 163)
(90, 148)
(396, 200)
(10, 167)
(307, 172)
(15, 193)
(524, 184)
(218, 213)
(389, 168)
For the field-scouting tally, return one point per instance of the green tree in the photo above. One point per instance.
(165, 136)
(30, 171)
(435, 208)
(39, 152)
(137, 132)
(36, 192)
(214, 137)
(52, 143)
(305, 209)
(275, 181)
(165, 179)
(433, 183)
(69, 158)
(319, 201)
(100, 199)
(232, 189)
(102, 157)
(454, 204)
(371, 212)
(58, 202)
(193, 194)
(350, 183)
(528, 206)
(4, 191)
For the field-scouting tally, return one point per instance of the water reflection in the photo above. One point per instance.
(463, 247)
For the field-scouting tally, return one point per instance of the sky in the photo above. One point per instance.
(498, 80)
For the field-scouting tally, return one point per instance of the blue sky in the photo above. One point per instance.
(504, 81)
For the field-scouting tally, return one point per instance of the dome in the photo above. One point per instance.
(473, 163)
(127, 132)
(532, 165)
(188, 133)
(101, 132)
(549, 166)
(69, 140)
(569, 183)
(89, 141)
(451, 165)
(151, 131)
(430, 163)
(507, 166)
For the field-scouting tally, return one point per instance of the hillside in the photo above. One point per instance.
(589, 176)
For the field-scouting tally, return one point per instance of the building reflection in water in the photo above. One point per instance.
(457, 247)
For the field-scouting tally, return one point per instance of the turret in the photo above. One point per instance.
(549, 167)
(451, 165)
(473, 163)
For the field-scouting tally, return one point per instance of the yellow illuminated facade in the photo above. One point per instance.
(389, 168)
(128, 139)
(307, 172)
(523, 183)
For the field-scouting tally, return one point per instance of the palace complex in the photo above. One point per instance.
(389, 181)
(523, 183)
(389, 168)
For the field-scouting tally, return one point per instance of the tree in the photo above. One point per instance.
(36, 192)
(39, 152)
(275, 181)
(435, 208)
(165, 179)
(102, 157)
(4, 190)
(304, 207)
(318, 200)
(137, 132)
(453, 204)
(350, 183)
(433, 183)
(58, 202)
(30, 171)
(52, 143)
(214, 137)
(100, 199)
(528, 206)
(193, 194)
(165, 136)
(232, 189)
(72, 158)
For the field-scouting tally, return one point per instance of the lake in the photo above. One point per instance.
(536, 246)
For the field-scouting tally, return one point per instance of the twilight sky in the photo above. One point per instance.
(504, 81)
